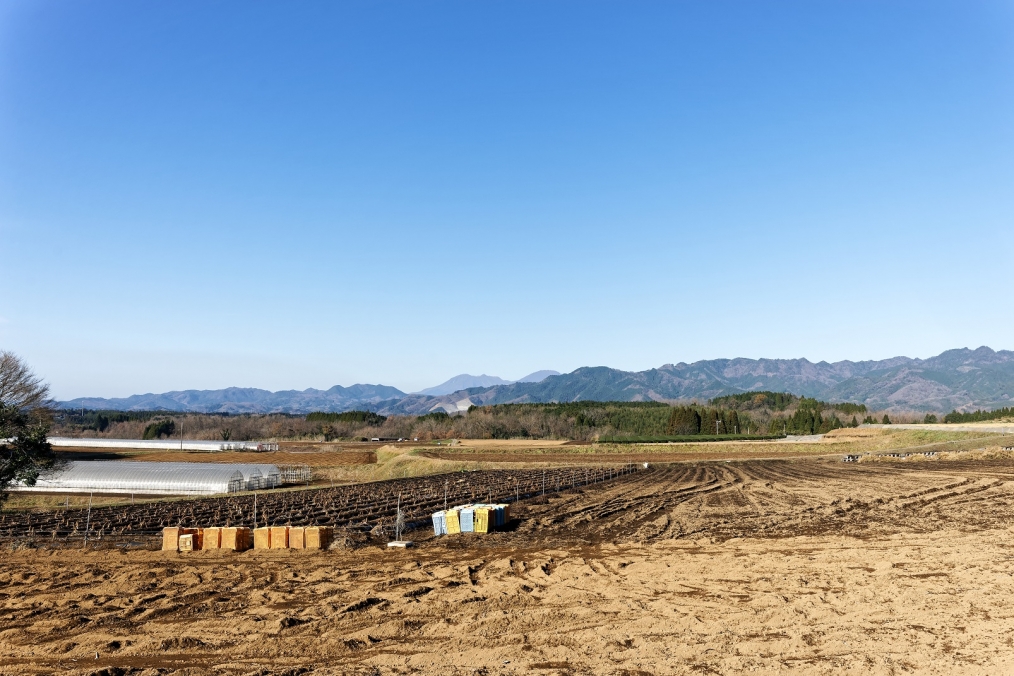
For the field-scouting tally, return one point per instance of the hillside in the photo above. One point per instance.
(960, 379)
(246, 400)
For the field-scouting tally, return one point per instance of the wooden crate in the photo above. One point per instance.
(187, 542)
(212, 538)
(296, 537)
(262, 538)
(279, 537)
(318, 537)
(170, 539)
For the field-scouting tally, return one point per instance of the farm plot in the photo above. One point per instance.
(359, 506)
(713, 568)
(780, 499)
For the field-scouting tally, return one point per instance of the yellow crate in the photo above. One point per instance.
(481, 523)
(453, 525)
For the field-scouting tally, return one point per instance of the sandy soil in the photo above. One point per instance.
(816, 567)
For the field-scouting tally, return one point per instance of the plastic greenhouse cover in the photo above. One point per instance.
(162, 478)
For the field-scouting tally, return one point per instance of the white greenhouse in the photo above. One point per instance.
(164, 444)
(155, 478)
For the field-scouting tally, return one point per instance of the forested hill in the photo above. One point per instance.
(957, 379)
(960, 380)
(247, 400)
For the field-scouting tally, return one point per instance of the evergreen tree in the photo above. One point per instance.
(887, 421)
(709, 421)
(855, 423)
(683, 421)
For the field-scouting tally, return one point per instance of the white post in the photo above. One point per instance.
(88, 521)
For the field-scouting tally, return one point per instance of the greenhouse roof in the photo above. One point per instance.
(161, 478)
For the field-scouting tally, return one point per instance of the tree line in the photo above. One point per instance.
(979, 416)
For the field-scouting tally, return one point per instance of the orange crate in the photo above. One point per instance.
(296, 537)
(262, 538)
(279, 537)
(170, 539)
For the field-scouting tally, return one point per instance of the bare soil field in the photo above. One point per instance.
(811, 566)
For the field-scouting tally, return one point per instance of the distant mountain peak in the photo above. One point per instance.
(538, 376)
(463, 382)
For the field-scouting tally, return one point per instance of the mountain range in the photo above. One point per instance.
(961, 379)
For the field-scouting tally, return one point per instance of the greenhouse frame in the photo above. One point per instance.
(164, 444)
(155, 478)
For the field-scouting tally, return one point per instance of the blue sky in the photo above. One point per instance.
(292, 195)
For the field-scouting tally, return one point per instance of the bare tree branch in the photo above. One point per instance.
(19, 387)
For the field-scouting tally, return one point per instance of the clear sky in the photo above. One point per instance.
(293, 195)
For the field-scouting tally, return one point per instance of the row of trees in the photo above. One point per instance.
(979, 416)
(690, 420)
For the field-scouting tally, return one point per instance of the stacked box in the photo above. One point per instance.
(212, 538)
(452, 521)
(318, 537)
(262, 538)
(170, 539)
(235, 539)
(279, 537)
(439, 523)
(296, 537)
(466, 519)
(187, 542)
(480, 522)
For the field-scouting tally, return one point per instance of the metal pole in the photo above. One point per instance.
(255, 509)
(88, 521)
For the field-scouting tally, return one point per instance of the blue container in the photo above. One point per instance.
(466, 518)
(501, 520)
(439, 523)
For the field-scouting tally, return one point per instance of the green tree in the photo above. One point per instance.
(887, 421)
(683, 421)
(159, 429)
(709, 421)
(25, 454)
(929, 419)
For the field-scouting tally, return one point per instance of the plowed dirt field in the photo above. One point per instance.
(810, 566)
